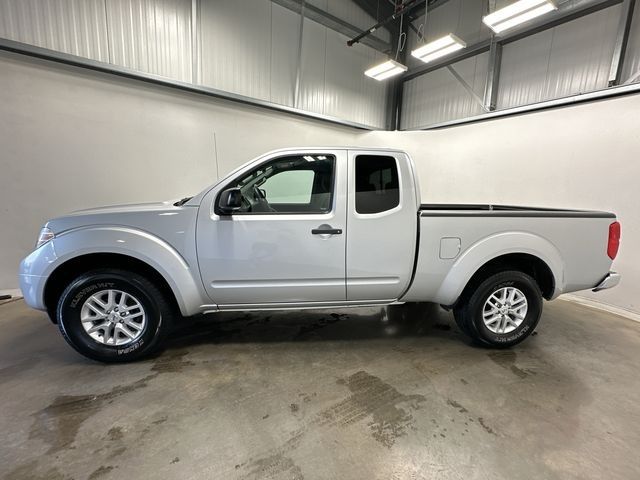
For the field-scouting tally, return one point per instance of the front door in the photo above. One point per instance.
(286, 245)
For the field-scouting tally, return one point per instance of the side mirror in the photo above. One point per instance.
(230, 201)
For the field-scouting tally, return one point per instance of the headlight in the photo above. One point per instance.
(44, 237)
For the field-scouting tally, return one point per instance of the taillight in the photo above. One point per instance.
(614, 240)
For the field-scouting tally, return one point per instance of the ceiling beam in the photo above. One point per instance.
(493, 77)
(378, 9)
(418, 11)
(334, 23)
(395, 91)
(398, 13)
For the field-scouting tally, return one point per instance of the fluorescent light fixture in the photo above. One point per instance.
(517, 13)
(385, 70)
(438, 48)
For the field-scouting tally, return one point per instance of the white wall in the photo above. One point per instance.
(585, 156)
(74, 139)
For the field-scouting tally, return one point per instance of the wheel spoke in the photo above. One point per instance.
(491, 312)
(519, 301)
(133, 325)
(97, 301)
(123, 300)
(100, 326)
(505, 294)
(106, 333)
(493, 302)
(95, 309)
(129, 308)
(120, 328)
(111, 298)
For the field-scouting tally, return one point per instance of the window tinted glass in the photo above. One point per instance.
(377, 187)
(292, 184)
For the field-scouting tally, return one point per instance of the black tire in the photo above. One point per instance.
(468, 312)
(158, 314)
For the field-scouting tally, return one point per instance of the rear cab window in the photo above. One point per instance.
(377, 184)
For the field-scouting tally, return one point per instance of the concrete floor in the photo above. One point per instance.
(355, 394)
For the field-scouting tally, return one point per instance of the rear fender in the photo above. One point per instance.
(485, 250)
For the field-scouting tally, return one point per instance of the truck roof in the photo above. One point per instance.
(330, 147)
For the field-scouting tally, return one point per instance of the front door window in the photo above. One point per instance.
(292, 184)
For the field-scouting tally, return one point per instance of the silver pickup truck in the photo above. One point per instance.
(309, 228)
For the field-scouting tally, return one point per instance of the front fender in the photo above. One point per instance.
(148, 248)
(488, 248)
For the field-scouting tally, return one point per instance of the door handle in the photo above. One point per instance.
(326, 231)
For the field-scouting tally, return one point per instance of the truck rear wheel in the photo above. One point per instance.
(502, 311)
(113, 315)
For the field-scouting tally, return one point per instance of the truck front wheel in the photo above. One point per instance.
(502, 311)
(113, 315)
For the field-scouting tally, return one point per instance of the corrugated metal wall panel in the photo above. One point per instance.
(235, 38)
(285, 26)
(151, 36)
(631, 66)
(523, 73)
(312, 84)
(348, 92)
(462, 17)
(77, 27)
(571, 58)
(374, 95)
(438, 96)
(248, 47)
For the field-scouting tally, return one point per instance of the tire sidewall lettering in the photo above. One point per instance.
(82, 294)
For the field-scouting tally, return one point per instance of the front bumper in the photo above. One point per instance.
(32, 287)
(609, 281)
(33, 275)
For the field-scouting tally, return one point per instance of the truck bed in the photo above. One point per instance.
(455, 240)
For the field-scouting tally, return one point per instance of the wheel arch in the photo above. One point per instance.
(70, 269)
(527, 263)
(522, 251)
(139, 248)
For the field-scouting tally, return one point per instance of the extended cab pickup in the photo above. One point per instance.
(309, 228)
